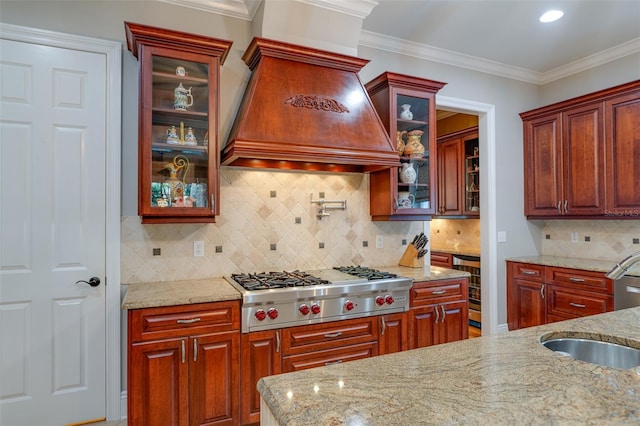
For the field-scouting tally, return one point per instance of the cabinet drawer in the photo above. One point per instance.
(444, 260)
(316, 337)
(593, 281)
(429, 292)
(176, 321)
(570, 303)
(329, 357)
(528, 271)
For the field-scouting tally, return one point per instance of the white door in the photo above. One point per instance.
(52, 227)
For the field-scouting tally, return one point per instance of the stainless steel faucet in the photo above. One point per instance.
(622, 268)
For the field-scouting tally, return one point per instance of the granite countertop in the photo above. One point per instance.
(502, 379)
(170, 293)
(469, 251)
(151, 295)
(594, 265)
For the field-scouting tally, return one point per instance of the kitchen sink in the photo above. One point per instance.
(592, 349)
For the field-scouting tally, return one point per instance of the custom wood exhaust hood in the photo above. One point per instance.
(306, 109)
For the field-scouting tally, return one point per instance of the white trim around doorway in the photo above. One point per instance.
(112, 52)
(488, 204)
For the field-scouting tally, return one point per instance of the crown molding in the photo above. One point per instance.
(358, 8)
(620, 51)
(242, 9)
(449, 57)
(422, 51)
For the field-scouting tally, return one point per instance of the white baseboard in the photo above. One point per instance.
(123, 405)
(502, 328)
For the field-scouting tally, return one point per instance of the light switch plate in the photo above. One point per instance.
(502, 236)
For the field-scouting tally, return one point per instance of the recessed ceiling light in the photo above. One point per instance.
(551, 15)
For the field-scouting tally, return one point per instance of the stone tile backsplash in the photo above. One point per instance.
(252, 220)
(456, 234)
(595, 239)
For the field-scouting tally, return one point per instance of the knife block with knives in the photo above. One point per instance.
(412, 256)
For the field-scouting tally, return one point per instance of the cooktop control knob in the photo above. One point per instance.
(260, 314)
(379, 300)
(389, 299)
(349, 305)
(315, 309)
(272, 313)
(304, 309)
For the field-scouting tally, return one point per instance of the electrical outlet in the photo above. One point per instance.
(379, 241)
(198, 248)
(574, 237)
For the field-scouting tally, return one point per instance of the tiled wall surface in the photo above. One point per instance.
(457, 234)
(598, 239)
(251, 220)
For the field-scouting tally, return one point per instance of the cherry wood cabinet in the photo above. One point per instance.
(390, 93)
(392, 337)
(538, 294)
(459, 174)
(581, 158)
(261, 357)
(622, 141)
(183, 365)
(444, 260)
(439, 312)
(178, 155)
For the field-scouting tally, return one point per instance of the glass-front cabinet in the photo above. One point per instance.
(178, 124)
(406, 106)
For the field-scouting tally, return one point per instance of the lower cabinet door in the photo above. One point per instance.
(392, 333)
(158, 383)
(261, 357)
(530, 303)
(454, 322)
(214, 386)
(422, 326)
(329, 357)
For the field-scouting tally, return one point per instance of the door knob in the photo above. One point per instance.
(93, 281)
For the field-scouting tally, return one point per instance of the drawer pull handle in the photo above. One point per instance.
(195, 350)
(277, 341)
(577, 305)
(525, 272)
(189, 321)
(333, 362)
(384, 326)
(331, 335)
(576, 280)
(439, 292)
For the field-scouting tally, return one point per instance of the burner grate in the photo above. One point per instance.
(365, 272)
(272, 280)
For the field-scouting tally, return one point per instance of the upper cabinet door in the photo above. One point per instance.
(543, 166)
(178, 124)
(583, 160)
(406, 106)
(623, 155)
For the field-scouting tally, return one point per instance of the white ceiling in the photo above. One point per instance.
(502, 37)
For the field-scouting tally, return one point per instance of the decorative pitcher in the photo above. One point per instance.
(408, 173)
(400, 141)
(413, 146)
(405, 200)
(182, 98)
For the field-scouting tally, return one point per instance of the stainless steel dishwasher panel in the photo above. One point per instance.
(626, 292)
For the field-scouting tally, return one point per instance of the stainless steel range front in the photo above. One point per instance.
(284, 299)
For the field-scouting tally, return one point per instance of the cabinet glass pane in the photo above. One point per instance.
(179, 132)
(412, 124)
(472, 175)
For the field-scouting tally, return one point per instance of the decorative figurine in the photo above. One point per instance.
(172, 136)
(406, 113)
(190, 138)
